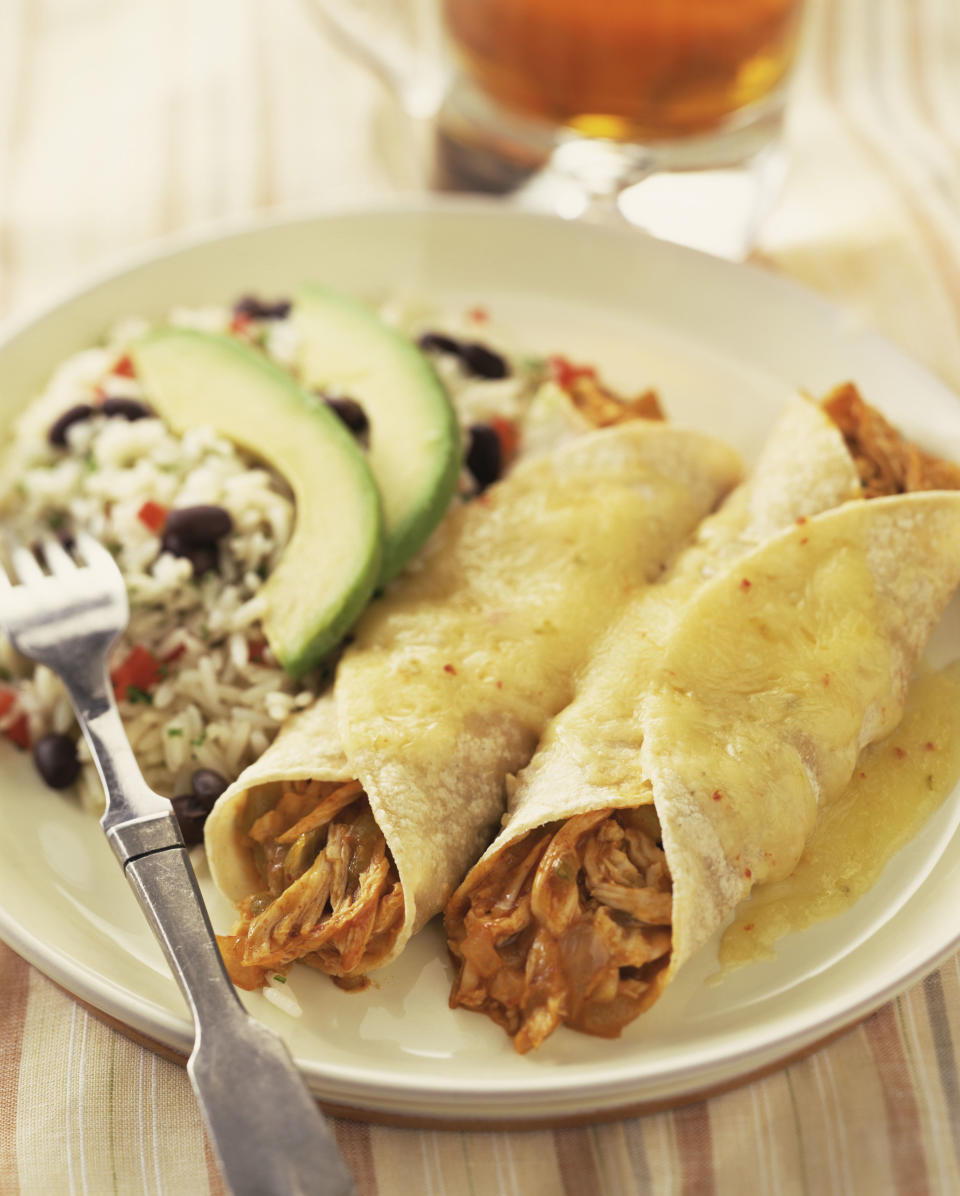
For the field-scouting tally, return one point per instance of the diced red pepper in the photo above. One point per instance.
(175, 654)
(152, 515)
(256, 650)
(565, 372)
(124, 367)
(479, 315)
(240, 323)
(19, 730)
(506, 431)
(139, 671)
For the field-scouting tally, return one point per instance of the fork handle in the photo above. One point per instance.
(264, 1126)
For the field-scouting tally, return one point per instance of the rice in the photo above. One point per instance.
(183, 623)
(219, 696)
(278, 993)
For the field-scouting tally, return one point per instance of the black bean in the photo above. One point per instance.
(207, 784)
(174, 544)
(256, 309)
(56, 759)
(74, 415)
(197, 526)
(203, 558)
(439, 342)
(352, 414)
(483, 362)
(484, 455)
(191, 809)
(191, 813)
(129, 409)
(476, 358)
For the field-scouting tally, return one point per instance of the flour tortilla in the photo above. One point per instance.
(804, 469)
(453, 675)
(849, 631)
(763, 689)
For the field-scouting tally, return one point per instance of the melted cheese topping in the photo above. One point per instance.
(767, 685)
(453, 676)
(898, 783)
(514, 588)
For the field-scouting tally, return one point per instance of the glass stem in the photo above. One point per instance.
(585, 177)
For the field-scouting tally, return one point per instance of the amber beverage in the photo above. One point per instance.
(631, 70)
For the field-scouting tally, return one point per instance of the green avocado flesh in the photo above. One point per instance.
(414, 448)
(332, 562)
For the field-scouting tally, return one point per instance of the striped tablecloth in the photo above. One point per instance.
(121, 120)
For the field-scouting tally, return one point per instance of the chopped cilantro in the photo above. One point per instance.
(136, 694)
(174, 732)
(90, 463)
(280, 979)
(56, 520)
(200, 740)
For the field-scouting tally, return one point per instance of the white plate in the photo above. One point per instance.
(724, 345)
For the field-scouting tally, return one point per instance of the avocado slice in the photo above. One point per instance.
(330, 566)
(414, 448)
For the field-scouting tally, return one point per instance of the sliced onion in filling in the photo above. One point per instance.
(569, 924)
(331, 894)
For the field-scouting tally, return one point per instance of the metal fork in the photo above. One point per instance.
(264, 1125)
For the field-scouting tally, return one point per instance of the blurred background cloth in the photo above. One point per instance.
(122, 121)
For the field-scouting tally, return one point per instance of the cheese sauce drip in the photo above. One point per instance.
(898, 783)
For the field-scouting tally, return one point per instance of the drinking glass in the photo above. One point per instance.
(665, 112)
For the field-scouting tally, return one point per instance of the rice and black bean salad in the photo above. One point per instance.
(196, 525)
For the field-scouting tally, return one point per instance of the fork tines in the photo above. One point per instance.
(57, 555)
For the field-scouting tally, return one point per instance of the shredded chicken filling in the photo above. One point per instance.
(570, 924)
(332, 896)
(603, 407)
(886, 462)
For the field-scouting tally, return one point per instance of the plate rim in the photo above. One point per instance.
(87, 984)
